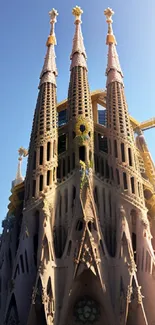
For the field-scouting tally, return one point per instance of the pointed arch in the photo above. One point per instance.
(46, 254)
(12, 317)
(39, 306)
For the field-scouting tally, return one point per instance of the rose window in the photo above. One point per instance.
(86, 311)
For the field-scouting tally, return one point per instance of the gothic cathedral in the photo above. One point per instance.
(78, 240)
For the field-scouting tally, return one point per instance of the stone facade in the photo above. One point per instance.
(78, 241)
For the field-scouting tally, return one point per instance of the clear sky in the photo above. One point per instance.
(24, 27)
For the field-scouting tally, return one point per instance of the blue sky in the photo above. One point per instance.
(24, 27)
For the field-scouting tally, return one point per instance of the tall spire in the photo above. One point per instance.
(78, 55)
(49, 71)
(42, 160)
(113, 71)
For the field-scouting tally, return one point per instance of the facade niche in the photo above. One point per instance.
(46, 255)
(82, 153)
(134, 244)
(60, 237)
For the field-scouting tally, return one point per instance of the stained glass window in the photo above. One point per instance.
(86, 311)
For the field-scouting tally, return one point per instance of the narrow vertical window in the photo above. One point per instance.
(125, 181)
(54, 174)
(115, 148)
(48, 150)
(130, 156)
(34, 188)
(132, 185)
(73, 160)
(68, 165)
(41, 155)
(59, 169)
(123, 152)
(64, 168)
(117, 176)
(41, 183)
(48, 177)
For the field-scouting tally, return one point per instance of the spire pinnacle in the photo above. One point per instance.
(19, 178)
(49, 71)
(77, 12)
(113, 71)
(78, 55)
(110, 36)
(53, 19)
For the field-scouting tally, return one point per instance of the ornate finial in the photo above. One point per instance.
(109, 13)
(110, 37)
(53, 15)
(22, 153)
(52, 39)
(77, 12)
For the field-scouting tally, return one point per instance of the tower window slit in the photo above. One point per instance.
(54, 176)
(132, 185)
(64, 168)
(68, 165)
(48, 177)
(125, 181)
(41, 155)
(73, 160)
(123, 152)
(48, 150)
(130, 156)
(41, 183)
(82, 153)
(115, 148)
(59, 169)
(34, 188)
(117, 176)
